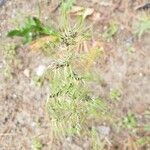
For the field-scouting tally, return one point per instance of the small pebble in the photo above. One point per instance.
(14, 96)
(33, 124)
(104, 130)
(130, 40)
(46, 17)
(26, 72)
(40, 70)
(141, 74)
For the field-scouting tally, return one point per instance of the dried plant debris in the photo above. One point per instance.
(144, 7)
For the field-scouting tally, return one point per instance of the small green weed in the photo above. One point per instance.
(129, 121)
(142, 25)
(143, 141)
(32, 29)
(39, 81)
(115, 94)
(111, 31)
(130, 50)
(37, 144)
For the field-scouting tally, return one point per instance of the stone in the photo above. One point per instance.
(26, 72)
(40, 70)
(103, 130)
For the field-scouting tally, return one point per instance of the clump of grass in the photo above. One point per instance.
(115, 94)
(130, 50)
(37, 144)
(111, 31)
(66, 6)
(145, 141)
(70, 105)
(11, 60)
(129, 121)
(142, 25)
(97, 143)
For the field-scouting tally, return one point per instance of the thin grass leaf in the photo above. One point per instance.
(15, 33)
(142, 25)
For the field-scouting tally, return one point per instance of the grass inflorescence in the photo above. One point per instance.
(70, 104)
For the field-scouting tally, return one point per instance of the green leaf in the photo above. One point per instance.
(37, 22)
(15, 33)
(32, 29)
(49, 30)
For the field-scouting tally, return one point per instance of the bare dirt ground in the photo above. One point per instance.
(22, 111)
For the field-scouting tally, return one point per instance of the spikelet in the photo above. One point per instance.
(90, 57)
